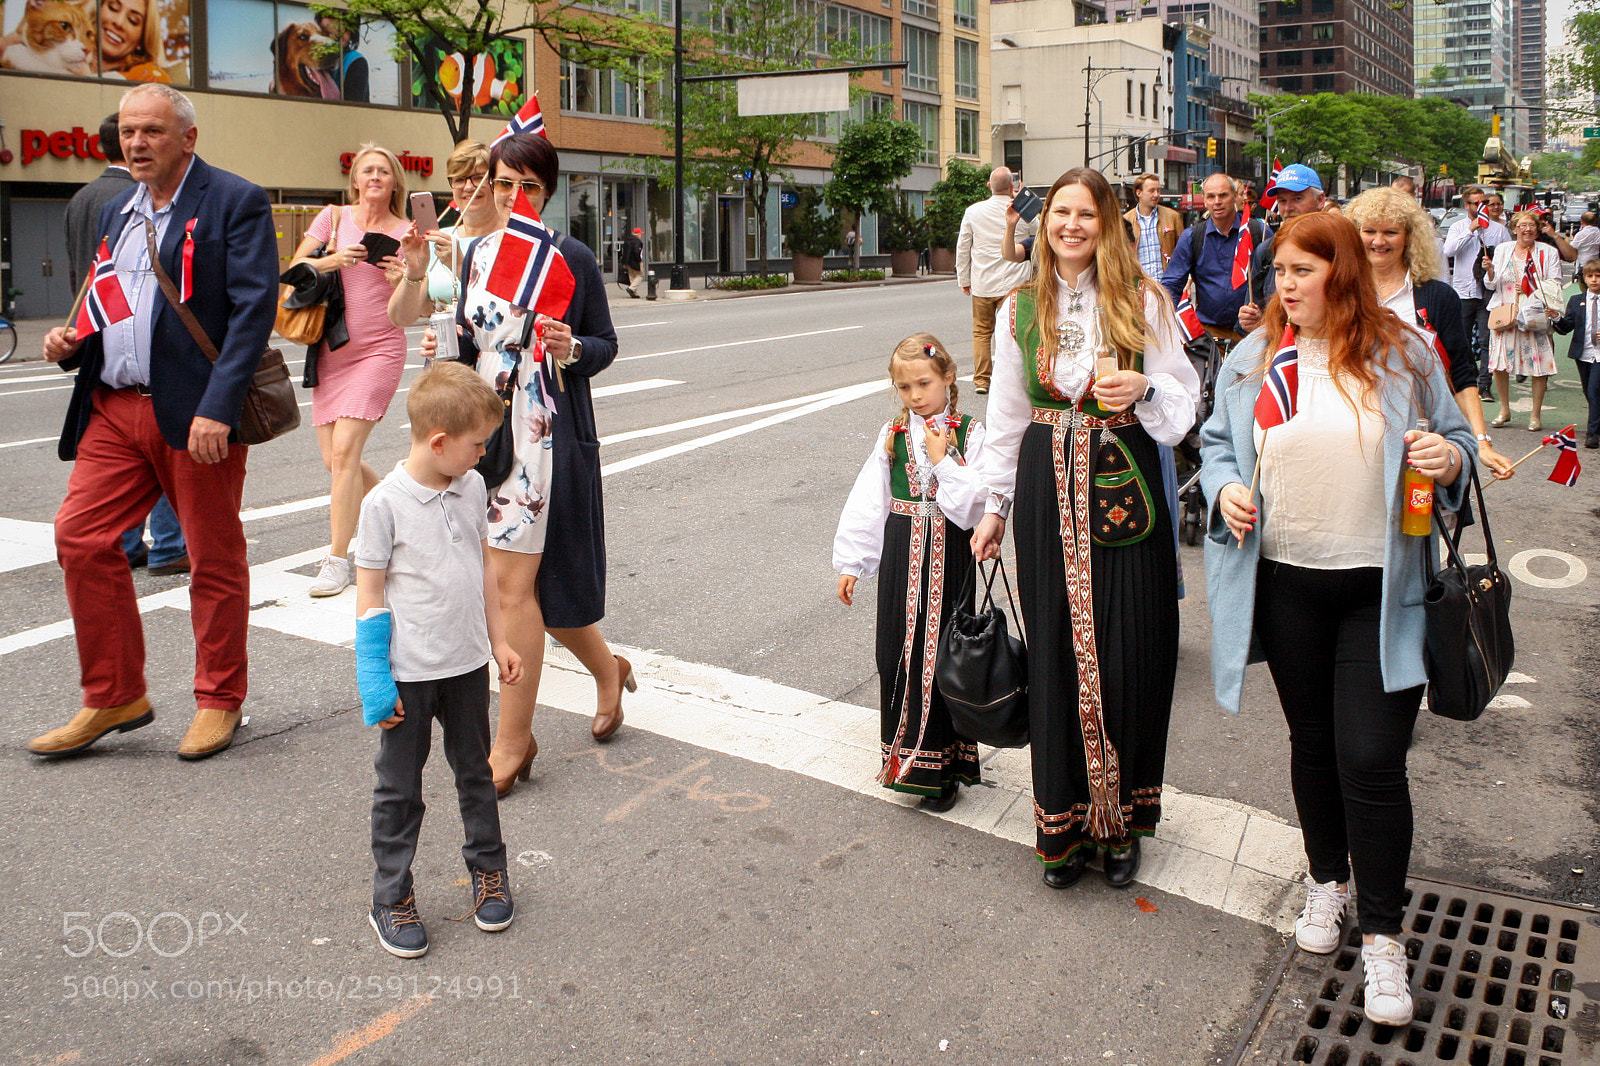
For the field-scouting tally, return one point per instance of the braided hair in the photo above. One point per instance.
(922, 346)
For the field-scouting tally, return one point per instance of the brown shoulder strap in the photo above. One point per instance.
(170, 291)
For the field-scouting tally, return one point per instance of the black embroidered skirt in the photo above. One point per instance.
(1135, 606)
(941, 759)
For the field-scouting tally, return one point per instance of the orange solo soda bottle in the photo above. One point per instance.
(1417, 517)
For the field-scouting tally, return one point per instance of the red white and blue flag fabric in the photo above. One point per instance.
(1269, 195)
(1280, 390)
(1241, 254)
(186, 275)
(1188, 320)
(529, 271)
(1567, 466)
(528, 120)
(104, 303)
(1431, 337)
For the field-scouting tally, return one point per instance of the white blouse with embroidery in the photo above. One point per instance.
(858, 542)
(1168, 417)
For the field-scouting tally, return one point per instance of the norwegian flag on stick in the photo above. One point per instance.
(1567, 466)
(528, 120)
(103, 302)
(1280, 390)
(529, 271)
(1188, 320)
(1241, 254)
(1269, 195)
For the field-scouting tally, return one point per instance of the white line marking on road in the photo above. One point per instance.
(639, 325)
(865, 389)
(20, 443)
(1576, 569)
(1517, 678)
(24, 544)
(736, 344)
(1506, 701)
(25, 392)
(632, 386)
(57, 376)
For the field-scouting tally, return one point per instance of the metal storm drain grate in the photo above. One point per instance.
(1498, 980)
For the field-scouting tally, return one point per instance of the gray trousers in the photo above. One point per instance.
(461, 706)
(1475, 320)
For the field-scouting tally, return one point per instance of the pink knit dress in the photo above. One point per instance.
(359, 379)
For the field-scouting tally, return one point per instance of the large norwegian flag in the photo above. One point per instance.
(528, 120)
(529, 271)
(1188, 320)
(1269, 195)
(104, 302)
(1567, 466)
(1241, 254)
(1280, 390)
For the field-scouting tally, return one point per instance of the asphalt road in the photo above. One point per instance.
(678, 903)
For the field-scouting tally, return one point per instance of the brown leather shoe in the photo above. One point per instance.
(180, 565)
(211, 732)
(90, 724)
(607, 722)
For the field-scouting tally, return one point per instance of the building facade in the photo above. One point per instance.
(290, 124)
(1337, 46)
(1234, 26)
(1464, 52)
(1529, 67)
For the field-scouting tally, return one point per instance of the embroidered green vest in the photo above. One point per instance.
(1026, 334)
(900, 485)
(1119, 505)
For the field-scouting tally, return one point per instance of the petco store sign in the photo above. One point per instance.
(63, 144)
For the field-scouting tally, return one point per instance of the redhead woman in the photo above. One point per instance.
(357, 380)
(1320, 576)
(1089, 378)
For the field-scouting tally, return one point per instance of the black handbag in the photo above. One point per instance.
(500, 450)
(1469, 646)
(982, 671)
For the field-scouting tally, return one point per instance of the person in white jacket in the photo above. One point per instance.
(982, 270)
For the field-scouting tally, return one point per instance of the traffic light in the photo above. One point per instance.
(1211, 148)
(1444, 168)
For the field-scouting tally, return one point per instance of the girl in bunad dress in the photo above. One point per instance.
(907, 512)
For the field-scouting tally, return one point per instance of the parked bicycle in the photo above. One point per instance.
(8, 339)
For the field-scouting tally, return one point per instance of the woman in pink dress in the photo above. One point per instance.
(357, 380)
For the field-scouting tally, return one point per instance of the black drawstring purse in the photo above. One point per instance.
(1469, 647)
(982, 670)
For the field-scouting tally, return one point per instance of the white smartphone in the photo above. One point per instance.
(423, 212)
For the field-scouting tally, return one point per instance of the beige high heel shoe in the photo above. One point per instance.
(504, 788)
(607, 722)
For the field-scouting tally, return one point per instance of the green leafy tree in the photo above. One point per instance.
(424, 30)
(722, 148)
(900, 229)
(869, 161)
(963, 185)
(1455, 139)
(810, 230)
(1575, 71)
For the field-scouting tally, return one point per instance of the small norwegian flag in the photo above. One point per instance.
(104, 302)
(1482, 221)
(1433, 338)
(528, 120)
(1280, 390)
(1188, 320)
(1269, 196)
(1530, 280)
(529, 271)
(1567, 466)
(1241, 254)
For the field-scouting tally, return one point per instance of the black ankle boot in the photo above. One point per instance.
(1121, 866)
(1066, 875)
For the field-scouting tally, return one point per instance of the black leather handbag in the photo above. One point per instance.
(500, 450)
(1469, 646)
(982, 671)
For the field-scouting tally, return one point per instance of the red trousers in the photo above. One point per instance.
(123, 466)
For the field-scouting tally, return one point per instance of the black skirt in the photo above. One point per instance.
(1135, 597)
(943, 759)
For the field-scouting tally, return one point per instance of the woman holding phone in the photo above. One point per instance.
(357, 380)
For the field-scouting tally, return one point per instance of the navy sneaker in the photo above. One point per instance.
(492, 908)
(399, 929)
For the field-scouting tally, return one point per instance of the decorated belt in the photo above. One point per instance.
(1074, 419)
(924, 508)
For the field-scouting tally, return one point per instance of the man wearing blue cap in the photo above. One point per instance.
(1299, 191)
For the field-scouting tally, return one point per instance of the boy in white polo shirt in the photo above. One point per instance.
(428, 625)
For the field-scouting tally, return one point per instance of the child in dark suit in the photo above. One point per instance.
(1582, 320)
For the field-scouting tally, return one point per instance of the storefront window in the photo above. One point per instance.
(133, 40)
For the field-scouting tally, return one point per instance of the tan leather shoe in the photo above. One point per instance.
(89, 725)
(210, 732)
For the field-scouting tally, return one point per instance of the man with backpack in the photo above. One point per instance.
(1206, 255)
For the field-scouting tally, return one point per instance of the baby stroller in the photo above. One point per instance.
(1206, 353)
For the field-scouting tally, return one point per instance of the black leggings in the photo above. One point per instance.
(1347, 736)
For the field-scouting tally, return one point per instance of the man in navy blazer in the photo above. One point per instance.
(1585, 350)
(151, 414)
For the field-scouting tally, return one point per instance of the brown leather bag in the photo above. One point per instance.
(269, 409)
(1503, 318)
(304, 325)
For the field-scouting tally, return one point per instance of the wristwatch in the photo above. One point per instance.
(574, 354)
(1149, 393)
(1485, 438)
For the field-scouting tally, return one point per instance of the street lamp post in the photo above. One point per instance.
(1269, 118)
(1091, 78)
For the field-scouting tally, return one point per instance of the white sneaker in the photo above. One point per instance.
(1318, 927)
(1387, 991)
(334, 577)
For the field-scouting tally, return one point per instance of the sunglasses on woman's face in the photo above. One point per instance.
(508, 185)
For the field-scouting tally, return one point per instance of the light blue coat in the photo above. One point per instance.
(1228, 454)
